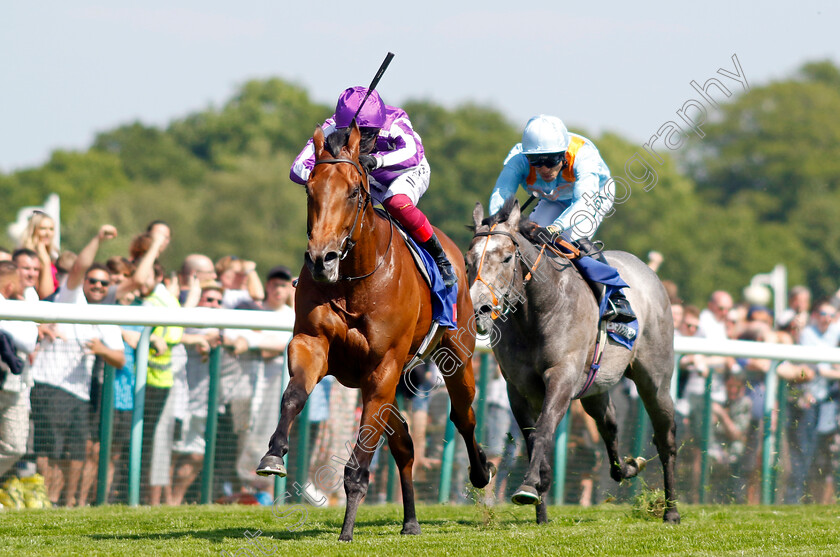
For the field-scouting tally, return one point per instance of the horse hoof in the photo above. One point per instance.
(526, 495)
(411, 529)
(479, 482)
(491, 471)
(271, 465)
(671, 517)
(345, 538)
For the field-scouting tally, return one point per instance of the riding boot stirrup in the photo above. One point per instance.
(619, 309)
(447, 273)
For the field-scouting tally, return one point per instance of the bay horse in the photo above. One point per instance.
(545, 318)
(362, 310)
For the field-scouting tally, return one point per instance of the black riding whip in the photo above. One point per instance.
(375, 82)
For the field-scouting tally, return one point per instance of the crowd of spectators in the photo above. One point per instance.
(51, 379)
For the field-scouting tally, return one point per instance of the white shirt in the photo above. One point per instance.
(25, 336)
(710, 327)
(65, 363)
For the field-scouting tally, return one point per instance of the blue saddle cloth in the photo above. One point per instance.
(444, 300)
(595, 271)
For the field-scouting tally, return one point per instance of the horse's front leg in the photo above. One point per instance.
(527, 425)
(378, 394)
(307, 365)
(558, 396)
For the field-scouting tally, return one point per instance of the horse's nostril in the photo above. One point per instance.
(330, 256)
(485, 308)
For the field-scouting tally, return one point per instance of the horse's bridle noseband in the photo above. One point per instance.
(502, 307)
(347, 244)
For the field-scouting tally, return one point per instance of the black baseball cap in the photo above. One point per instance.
(281, 272)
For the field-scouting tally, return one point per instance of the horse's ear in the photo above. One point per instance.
(478, 214)
(515, 214)
(353, 140)
(318, 142)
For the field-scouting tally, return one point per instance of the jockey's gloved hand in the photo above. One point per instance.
(368, 162)
(547, 234)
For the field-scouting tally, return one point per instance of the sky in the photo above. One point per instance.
(72, 69)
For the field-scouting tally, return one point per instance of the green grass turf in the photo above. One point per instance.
(447, 530)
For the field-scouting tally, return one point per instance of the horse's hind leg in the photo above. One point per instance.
(660, 408)
(307, 365)
(455, 365)
(601, 408)
(402, 448)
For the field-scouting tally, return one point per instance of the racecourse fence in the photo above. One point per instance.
(578, 459)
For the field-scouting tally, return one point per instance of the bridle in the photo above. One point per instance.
(347, 244)
(502, 307)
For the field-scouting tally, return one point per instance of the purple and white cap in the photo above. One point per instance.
(372, 114)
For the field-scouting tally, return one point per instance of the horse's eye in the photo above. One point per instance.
(507, 259)
(353, 194)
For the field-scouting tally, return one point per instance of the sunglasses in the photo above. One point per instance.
(94, 282)
(550, 160)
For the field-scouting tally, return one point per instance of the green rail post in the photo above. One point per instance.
(704, 441)
(768, 447)
(106, 430)
(448, 458)
(675, 378)
(781, 420)
(280, 483)
(560, 448)
(481, 408)
(302, 456)
(211, 428)
(639, 436)
(135, 451)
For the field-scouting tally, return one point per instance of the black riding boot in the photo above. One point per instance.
(432, 245)
(619, 309)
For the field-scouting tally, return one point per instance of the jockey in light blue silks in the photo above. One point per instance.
(392, 155)
(569, 176)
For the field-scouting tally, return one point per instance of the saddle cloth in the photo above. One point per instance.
(444, 300)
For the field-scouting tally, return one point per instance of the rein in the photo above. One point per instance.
(347, 244)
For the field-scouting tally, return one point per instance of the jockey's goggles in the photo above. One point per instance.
(550, 160)
(368, 134)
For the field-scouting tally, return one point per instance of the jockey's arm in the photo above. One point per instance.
(586, 188)
(404, 151)
(305, 161)
(587, 195)
(514, 173)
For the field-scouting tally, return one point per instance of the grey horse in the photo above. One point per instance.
(543, 321)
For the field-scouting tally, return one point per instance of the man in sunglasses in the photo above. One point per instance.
(392, 155)
(62, 372)
(566, 172)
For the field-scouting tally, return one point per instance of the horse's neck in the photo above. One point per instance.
(548, 285)
(364, 257)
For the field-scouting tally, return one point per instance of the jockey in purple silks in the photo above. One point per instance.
(392, 155)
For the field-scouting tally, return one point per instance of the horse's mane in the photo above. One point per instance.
(526, 226)
(336, 140)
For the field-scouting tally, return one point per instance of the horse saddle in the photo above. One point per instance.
(412, 247)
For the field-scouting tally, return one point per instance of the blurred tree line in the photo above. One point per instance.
(762, 187)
